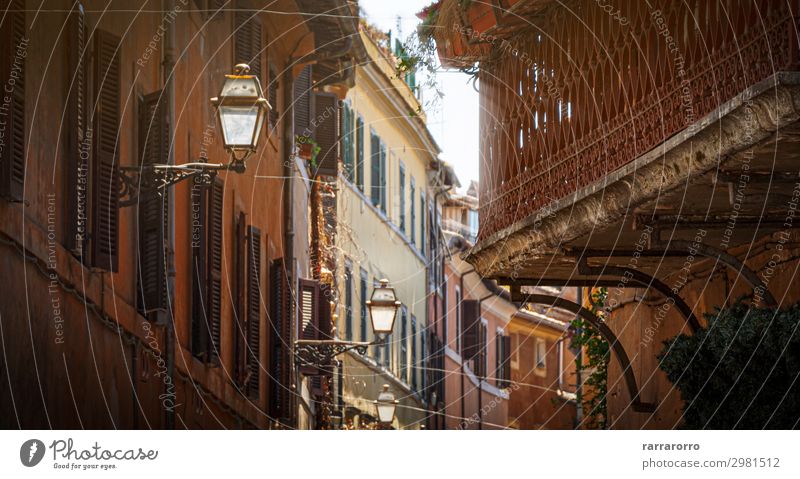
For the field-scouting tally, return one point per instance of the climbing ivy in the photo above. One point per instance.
(595, 358)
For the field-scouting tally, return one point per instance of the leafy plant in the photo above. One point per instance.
(315, 149)
(596, 354)
(741, 372)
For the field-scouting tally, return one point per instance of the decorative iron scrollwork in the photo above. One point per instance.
(323, 353)
(137, 183)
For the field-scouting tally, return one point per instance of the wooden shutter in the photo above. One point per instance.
(106, 116)
(506, 366)
(308, 311)
(198, 244)
(302, 106)
(375, 169)
(281, 379)
(324, 323)
(214, 263)
(153, 210)
(272, 97)
(360, 153)
(12, 69)
(383, 177)
(471, 320)
(253, 311)
(247, 41)
(77, 144)
(326, 133)
(239, 332)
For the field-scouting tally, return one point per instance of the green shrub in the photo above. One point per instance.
(741, 372)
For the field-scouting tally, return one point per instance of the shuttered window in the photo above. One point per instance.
(307, 311)
(414, 357)
(363, 313)
(402, 197)
(359, 139)
(348, 142)
(238, 293)
(404, 344)
(253, 311)
(422, 215)
(383, 178)
(413, 193)
(348, 300)
(77, 135)
(502, 360)
(302, 106)
(272, 93)
(470, 316)
(104, 179)
(326, 133)
(13, 44)
(152, 210)
(206, 246)
(247, 40)
(375, 168)
(280, 359)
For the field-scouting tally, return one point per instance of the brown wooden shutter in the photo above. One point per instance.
(506, 366)
(214, 262)
(77, 143)
(280, 320)
(247, 41)
(272, 97)
(308, 313)
(106, 116)
(302, 105)
(12, 69)
(326, 133)
(471, 319)
(239, 332)
(253, 311)
(198, 244)
(153, 210)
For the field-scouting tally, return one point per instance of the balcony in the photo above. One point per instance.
(581, 110)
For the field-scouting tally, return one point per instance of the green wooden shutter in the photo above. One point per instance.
(360, 154)
(105, 179)
(375, 168)
(151, 252)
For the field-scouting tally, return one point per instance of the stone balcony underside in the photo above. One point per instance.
(731, 178)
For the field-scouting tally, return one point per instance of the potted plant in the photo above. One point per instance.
(307, 148)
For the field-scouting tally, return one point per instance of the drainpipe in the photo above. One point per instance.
(169, 86)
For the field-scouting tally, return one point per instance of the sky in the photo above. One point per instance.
(454, 124)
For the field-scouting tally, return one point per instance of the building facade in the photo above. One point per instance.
(382, 216)
(170, 311)
(618, 152)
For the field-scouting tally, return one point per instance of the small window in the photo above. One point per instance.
(541, 354)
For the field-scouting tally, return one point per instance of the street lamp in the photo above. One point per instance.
(386, 405)
(241, 109)
(383, 306)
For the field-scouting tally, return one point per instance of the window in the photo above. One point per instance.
(404, 343)
(12, 146)
(560, 349)
(348, 142)
(402, 198)
(375, 168)
(422, 215)
(360, 154)
(362, 327)
(272, 93)
(481, 355)
(207, 203)
(541, 353)
(348, 300)
(413, 192)
(247, 41)
(383, 178)
(280, 330)
(414, 359)
(502, 360)
(458, 319)
(247, 307)
(444, 311)
(423, 359)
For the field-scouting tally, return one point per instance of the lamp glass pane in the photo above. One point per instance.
(385, 412)
(246, 86)
(382, 318)
(238, 124)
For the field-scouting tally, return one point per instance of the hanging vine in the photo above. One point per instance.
(595, 357)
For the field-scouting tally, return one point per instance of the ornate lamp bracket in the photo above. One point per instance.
(137, 183)
(320, 353)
